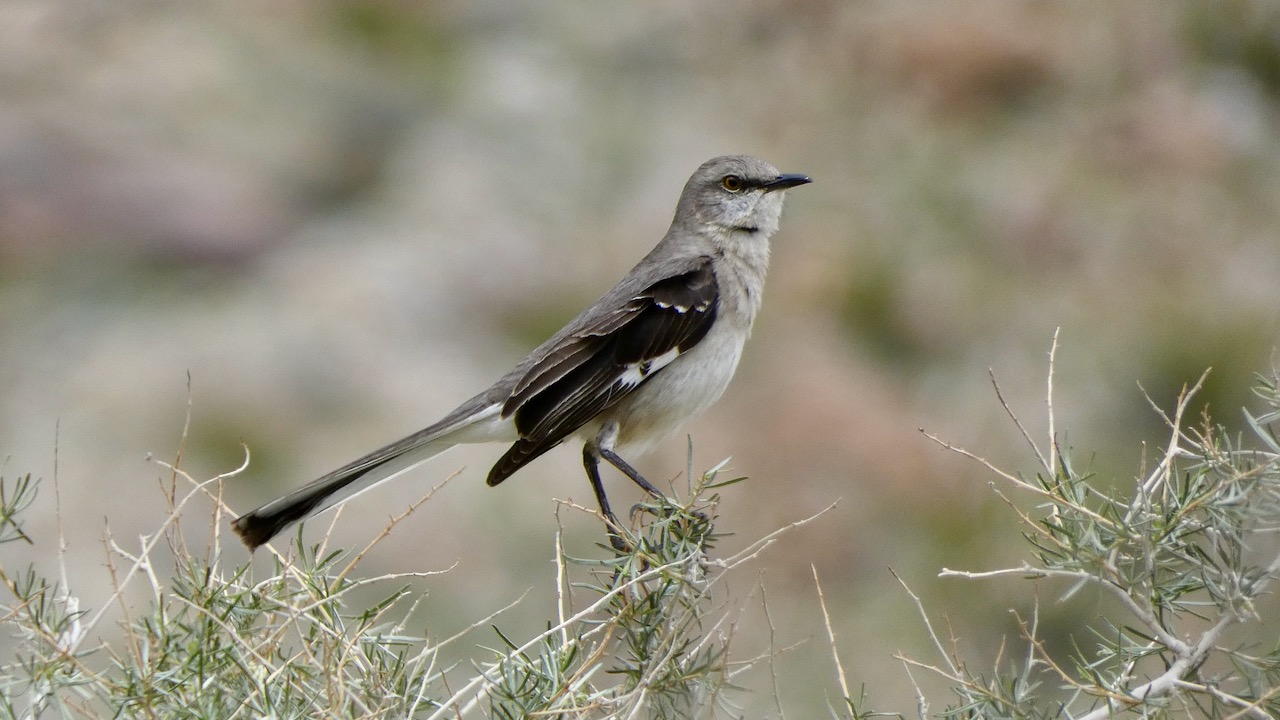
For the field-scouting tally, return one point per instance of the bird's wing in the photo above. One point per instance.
(604, 360)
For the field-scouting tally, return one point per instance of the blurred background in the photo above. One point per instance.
(341, 219)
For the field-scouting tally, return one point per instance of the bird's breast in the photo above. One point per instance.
(681, 391)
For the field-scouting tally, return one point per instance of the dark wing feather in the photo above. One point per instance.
(606, 360)
(677, 316)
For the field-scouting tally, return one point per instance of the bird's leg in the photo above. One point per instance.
(591, 461)
(622, 465)
(626, 469)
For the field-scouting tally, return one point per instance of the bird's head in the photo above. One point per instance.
(736, 194)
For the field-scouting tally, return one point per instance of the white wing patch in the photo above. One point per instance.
(682, 309)
(635, 373)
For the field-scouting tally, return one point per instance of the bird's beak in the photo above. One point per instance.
(788, 180)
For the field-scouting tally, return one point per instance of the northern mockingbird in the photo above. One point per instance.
(654, 351)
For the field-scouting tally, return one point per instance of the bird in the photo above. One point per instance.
(654, 351)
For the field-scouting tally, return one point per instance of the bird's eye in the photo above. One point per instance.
(732, 183)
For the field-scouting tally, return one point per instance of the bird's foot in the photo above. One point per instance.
(620, 545)
(666, 509)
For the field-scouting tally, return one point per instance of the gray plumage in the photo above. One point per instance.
(654, 351)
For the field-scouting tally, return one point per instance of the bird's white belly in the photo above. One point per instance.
(680, 391)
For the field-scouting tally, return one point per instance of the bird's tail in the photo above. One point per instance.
(259, 526)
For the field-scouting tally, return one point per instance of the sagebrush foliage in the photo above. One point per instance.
(1189, 549)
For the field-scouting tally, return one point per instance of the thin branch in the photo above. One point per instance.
(1027, 571)
(1161, 472)
(773, 666)
(831, 636)
(395, 520)
(151, 541)
(754, 549)
(955, 671)
(1251, 709)
(1013, 479)
(1051, 468)
(562, 581)
(1018, 423)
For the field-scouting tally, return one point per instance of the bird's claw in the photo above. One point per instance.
(669, 511)
(622, 547)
